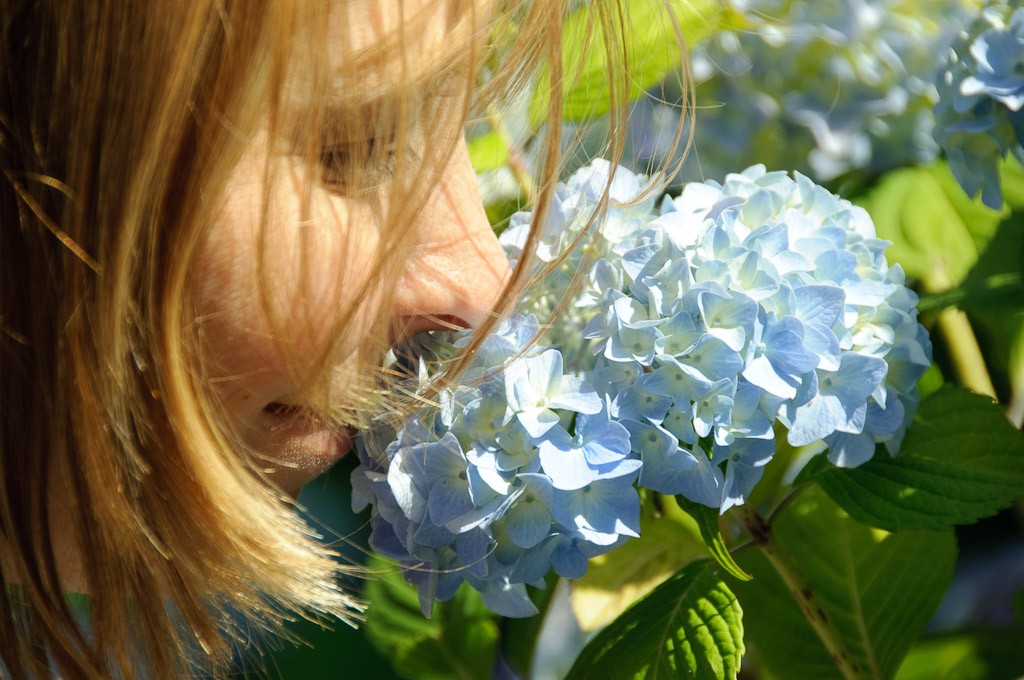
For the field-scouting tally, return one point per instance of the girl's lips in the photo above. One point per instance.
(297, 445)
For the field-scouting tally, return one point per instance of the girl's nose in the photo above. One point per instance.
(458, 270)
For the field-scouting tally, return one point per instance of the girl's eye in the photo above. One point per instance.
(356, 165)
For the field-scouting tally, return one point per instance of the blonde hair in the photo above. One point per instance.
(119, 125)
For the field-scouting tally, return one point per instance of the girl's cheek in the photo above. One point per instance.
(271, 287)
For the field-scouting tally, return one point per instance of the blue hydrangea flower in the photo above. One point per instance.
(999, 55)
(536, 388)
(598, 450)
(979, 112)
(736, 309)
(826, 88)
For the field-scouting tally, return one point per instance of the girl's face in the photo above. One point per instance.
(313, 257)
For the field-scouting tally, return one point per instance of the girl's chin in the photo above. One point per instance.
(298, 447)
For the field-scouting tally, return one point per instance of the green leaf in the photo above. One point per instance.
(995, 282)
(395, 615)
(930, 221)
(653, 51)
(993, 296)
(879, 589)
(319, 652)
(465, 650)
(460, 640)
(931, 381)
(1011, 174)
(960, 461)
(707, 520)
(617, 579)
(498, 214)
(487, 151)
(688, 627)
(984, 654)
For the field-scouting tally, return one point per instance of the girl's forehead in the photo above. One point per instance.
(375, 42)
(369, 21)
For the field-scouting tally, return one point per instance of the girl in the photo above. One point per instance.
(215, 219)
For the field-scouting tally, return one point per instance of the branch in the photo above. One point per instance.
(801, 591)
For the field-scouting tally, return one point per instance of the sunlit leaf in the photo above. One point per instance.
(487, 151)
(995, 282)
(930, 220)
(961, 461)
(653, 52)
(1011, 175)
(993, 297)
(879, 589)
(688, 627)
(707, 520)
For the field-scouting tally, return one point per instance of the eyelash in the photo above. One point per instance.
(362, 164)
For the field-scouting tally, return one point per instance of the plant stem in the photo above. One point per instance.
(964, 351)
(800, 589)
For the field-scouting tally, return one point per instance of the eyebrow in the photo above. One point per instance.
(345, 117)
(389, 94)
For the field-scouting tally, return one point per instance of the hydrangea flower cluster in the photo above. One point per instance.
(980, 116)
(697, 328)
